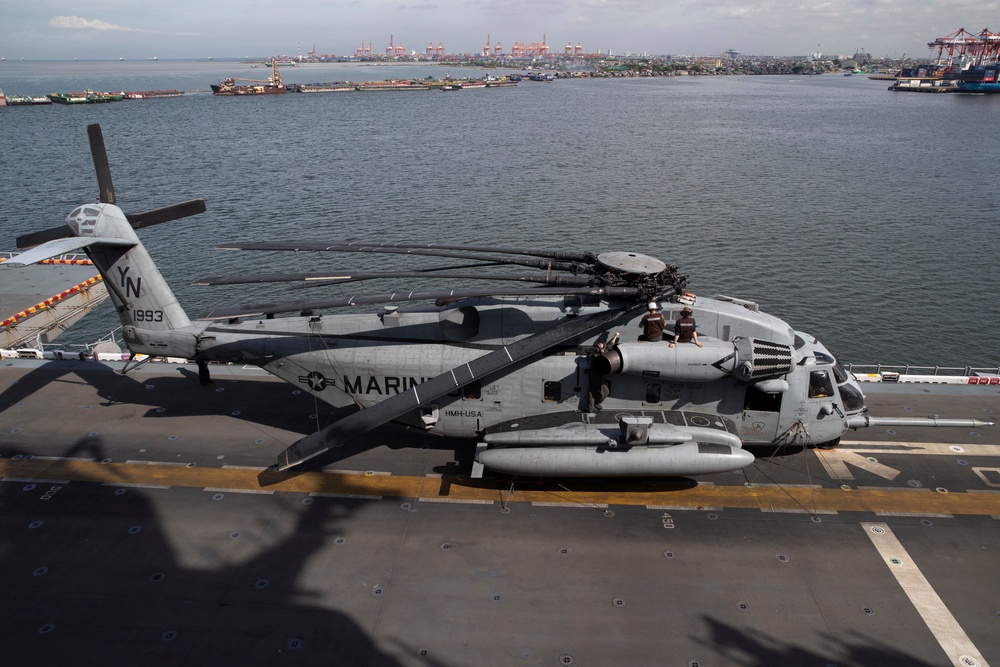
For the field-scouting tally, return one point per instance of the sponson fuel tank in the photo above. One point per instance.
(748, 359)
(690, 458)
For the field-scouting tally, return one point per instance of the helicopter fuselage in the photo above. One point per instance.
(361, 359)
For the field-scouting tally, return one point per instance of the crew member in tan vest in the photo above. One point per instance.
(685, 330)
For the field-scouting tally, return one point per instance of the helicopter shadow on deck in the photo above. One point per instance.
(750, 648)
(176, 392)
(109, 571)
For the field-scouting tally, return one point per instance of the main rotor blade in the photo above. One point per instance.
(320, 246)
(396, 297)
(565, 255)
(106, 189)
(325, 279)
(490, 364)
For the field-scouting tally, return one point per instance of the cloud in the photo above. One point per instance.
(77, 23)
(88, 24)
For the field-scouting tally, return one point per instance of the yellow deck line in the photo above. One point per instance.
(772, 498)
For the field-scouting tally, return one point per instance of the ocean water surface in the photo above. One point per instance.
(864, 217)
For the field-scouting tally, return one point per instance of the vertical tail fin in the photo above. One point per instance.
(153, 322)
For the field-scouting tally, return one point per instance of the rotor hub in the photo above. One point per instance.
(631, 262)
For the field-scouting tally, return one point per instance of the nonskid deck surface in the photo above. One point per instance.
(137, 525)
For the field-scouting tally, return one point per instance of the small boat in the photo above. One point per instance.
(3, 100)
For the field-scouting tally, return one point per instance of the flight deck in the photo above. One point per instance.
(142, 523)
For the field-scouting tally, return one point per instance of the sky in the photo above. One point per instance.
(139, 29)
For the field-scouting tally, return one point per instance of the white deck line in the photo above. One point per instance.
(942, 624)
(921, 448)
(262, 492)
(135, 485)
(693, 508)
(34, 480)
(457, 501)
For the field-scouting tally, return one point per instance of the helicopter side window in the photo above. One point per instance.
(652, 393)
(761, 401)
(473, 391)
(820, 385)
(552, 391)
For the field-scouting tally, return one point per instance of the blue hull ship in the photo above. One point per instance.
(980, 79)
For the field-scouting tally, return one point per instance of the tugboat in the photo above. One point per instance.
(272, 86)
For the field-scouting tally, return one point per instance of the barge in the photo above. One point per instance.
(149, 94)
(84, 97)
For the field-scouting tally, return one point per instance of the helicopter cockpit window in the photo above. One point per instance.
(820, 385)
(823, 358)
(851, 397)
(552, 392)
(840, 373)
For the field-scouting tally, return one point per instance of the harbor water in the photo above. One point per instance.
(864, 217)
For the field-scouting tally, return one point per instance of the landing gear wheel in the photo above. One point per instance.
(829, 444)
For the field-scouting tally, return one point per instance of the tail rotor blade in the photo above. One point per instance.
(106, 189)
(44, 236)
(138, 220)
(167, 213)
(106, 195)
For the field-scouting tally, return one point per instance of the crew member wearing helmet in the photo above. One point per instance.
(653, 323)
(685, 330)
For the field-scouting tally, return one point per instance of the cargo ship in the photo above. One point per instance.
(978, 79)
(271, 86)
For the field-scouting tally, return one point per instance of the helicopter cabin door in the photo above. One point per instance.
(761, 413)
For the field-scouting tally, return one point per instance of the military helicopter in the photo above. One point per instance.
(515, 368)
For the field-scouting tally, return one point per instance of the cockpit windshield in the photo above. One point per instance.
(840, 373)
(851, 397)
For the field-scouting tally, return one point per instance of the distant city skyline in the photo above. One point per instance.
(110, 29)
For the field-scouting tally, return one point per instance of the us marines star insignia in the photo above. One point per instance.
(316, 381)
